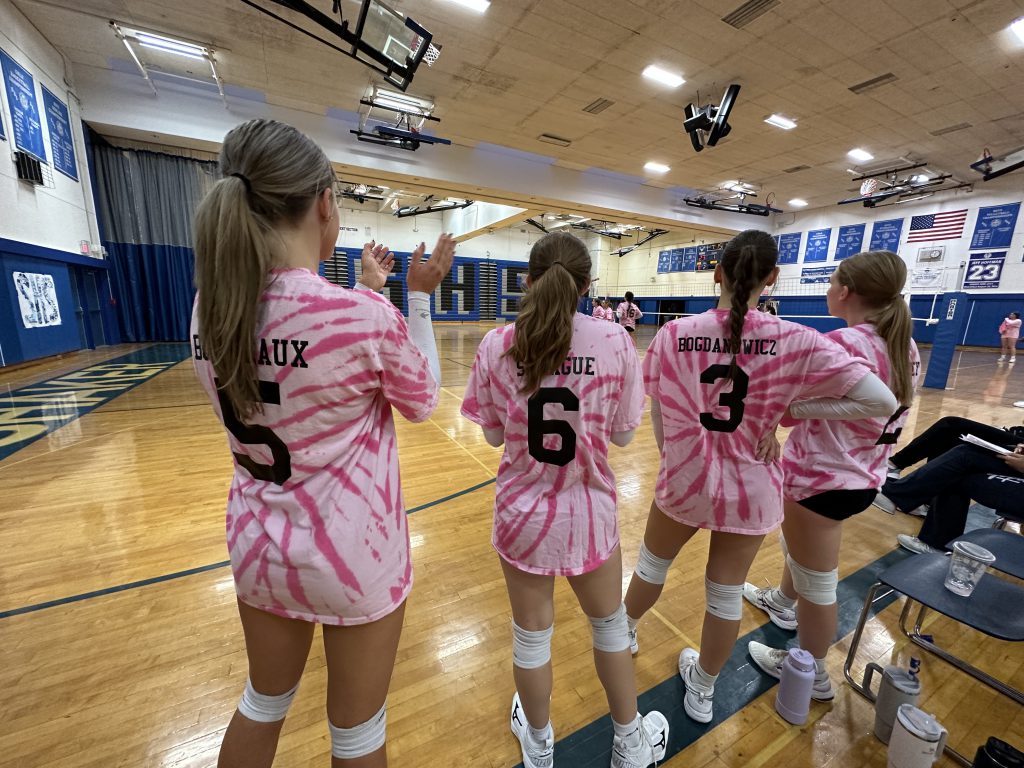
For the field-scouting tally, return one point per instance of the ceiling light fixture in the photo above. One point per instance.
(860, 155)
(1018, 28)
(170, 45)
(653, 167)
(781, 122)
(663, 76)
(476, 5)
(920, 178)
(796, 202)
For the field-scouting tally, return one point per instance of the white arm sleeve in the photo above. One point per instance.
(622, 439)
(868, 399)
(421, 330)
(494, 436)
(361, 287)
(659, 427)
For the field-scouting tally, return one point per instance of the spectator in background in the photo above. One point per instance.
(1009, 332)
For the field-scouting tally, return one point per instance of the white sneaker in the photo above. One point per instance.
(884, 503)
(781, 616)
(634, 646)
(535, 754)
(1001, 358)
(645, 747)
(698, 699)
(921, 511)
(1012, 361)
(915, 545)
(892, 472)
(770, 662)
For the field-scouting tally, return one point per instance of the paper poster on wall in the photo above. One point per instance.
(811, 275)
(689, 259)
(817, 245)
(885, 235)
(849, 240)
(62, 139)
(994, 228)
(926, 277)
(931, 254)
(37, 298)
(21, 98)
(677, 260)
(789, 248)
(663, 261)
(984, 270)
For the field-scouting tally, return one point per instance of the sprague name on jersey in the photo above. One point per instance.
(717, 344)
(580, 366)
(286, 352)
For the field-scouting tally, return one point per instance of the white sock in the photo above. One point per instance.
(702, 678)
(777, 597)
(625, 731)
(820, 673)
(541, 735)
(631, 623)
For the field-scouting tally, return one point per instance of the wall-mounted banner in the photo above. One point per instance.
(458, 295)
(931, 254)
(810, 275)
(789, 247)
(984, 270)
(994, 228)
(676, 263)
(885, 235)
(926, 277)
(817, 245)
(37, 298)
(21, 96)
(689, 259)
(62, 139)
(849, 240)
(3, 136)
(664, 258)
(511, 280)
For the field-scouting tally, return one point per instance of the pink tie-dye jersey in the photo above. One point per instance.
(323, 535)
(628, 314)
(709, 476)
(554, 507)
(833, 455)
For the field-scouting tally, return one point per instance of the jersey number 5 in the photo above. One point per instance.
(255, 434)
(887, 437)
(732, 400)
(537, 427)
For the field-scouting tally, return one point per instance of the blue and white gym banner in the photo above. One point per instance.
(664, 260)
(849, 240)
(21, 96)
(676, 260)
(812, 275)
(994, 228)
(885, 235)
(984, 270)
(817, 245)
(789, 247)
(3, 136)
(62, 139)
(689, 259)
(511, 277)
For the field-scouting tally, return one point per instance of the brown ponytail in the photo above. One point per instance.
(272, 174)
(559, 270)
(878, 278)
(747, 261)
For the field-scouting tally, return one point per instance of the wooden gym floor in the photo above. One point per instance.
(120, 644)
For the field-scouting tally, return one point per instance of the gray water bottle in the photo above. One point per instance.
(898, 686)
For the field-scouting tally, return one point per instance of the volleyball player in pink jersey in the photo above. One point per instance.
(303, 374)
(1009, 333)
(629, 313)
(719, 382)
(598, 310)
(557, 387)
(833, 467)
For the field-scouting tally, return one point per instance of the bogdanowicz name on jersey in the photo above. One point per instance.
(581, 366)
(717, 344)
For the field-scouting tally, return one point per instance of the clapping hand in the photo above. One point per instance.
(377, 263)
(427, 275)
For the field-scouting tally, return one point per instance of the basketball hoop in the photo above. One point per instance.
(432, 53)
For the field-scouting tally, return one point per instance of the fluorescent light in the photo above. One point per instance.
(781, 122)
(170, 45)
(663, 76)
(653, 167)
(796, 202)
(477, 5)
(1018, 28)
(860, 155)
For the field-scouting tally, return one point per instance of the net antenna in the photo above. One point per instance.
(381, 38)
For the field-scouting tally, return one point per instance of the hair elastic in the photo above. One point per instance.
(248, 184)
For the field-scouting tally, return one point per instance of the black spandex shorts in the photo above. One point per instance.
(839, 505)
(629, 330)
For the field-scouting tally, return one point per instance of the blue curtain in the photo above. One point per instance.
(154, 289)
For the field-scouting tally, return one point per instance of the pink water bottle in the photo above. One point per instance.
(793, 701)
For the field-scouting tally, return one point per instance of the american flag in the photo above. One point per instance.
(948, 225)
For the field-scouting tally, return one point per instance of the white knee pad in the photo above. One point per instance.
(263, 708)
(818, 587)
(531, 649)
(724, 600)
(359, 740)
(611, 633)
(652, 569)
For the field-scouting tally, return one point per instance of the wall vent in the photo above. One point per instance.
(550, 138)
(598, 105)
(951, 129)
(30, 170)
(749, 11)
(796, 169)
(875, 82)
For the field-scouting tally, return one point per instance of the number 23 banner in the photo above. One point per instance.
(984, 270)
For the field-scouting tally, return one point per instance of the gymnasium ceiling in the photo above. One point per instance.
(528, 67)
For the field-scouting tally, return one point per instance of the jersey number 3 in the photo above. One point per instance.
(537, 427)
(732, 400)
(255, 434)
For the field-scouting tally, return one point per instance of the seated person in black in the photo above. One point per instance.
(944, 435)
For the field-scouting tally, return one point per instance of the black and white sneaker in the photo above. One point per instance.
(781, 616)
(535, 754)
(646, 746)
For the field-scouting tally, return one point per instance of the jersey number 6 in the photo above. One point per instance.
(537, 427)
(255, 434)
(732, 400)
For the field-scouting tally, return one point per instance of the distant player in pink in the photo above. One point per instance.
(557, 387)
(629, 313)
(834, 467)
(303, 375)
(1009, 332)
(719, 383)
(598, 310)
